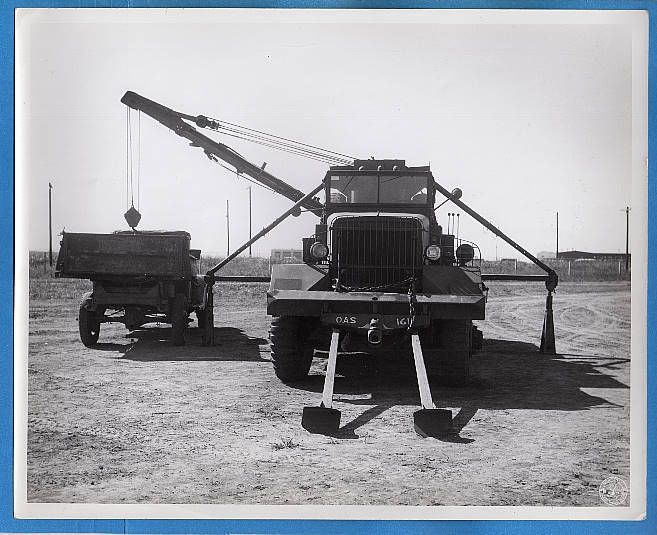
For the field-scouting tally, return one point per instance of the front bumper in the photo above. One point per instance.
(322, 303)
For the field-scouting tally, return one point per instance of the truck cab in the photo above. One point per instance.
(378, 223)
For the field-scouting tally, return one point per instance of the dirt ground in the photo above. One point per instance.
(136, 420)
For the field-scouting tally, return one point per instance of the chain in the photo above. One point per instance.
(412, 301)
(409, 280)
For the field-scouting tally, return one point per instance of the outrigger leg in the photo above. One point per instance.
(207, 336)
(547, 336)
(429, 421)
(325, 419)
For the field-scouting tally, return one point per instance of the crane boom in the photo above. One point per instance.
(176, 121)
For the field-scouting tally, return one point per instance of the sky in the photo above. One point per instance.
(528, 119)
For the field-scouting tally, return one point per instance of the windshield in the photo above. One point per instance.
(374, 189)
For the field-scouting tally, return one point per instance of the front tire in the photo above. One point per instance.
(291, 353)
(88, 323)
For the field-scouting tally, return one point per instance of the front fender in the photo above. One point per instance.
(297, 277)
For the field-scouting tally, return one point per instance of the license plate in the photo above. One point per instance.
(362, 321)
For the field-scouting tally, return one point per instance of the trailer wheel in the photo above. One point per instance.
(290, 351)
(178, 320)
(477, 339)
(88, 323)
(448, 357)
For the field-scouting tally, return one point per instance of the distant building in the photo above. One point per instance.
(545, 255)
(583, 255)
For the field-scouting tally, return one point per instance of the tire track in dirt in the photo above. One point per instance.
(578, 322)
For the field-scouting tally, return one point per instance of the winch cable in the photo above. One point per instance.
(127, 158)
(132, 215)
(138, 159)
(274, 141)
(290, 150)
(339, 155)
(281, 143)
(130, 194)
(313, 155)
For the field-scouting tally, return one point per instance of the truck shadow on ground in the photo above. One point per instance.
(506, 375)
(153, 344)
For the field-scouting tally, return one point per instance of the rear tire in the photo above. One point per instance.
(178, 320)
(88, 323)
(291, 353)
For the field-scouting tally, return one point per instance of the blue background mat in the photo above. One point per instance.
(7, 521)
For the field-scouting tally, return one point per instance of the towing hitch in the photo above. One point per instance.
(375, 332)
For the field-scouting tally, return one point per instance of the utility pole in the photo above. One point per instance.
(627, 238)
(227, 229)
(557, 255)
(250, 228)
(50, 221)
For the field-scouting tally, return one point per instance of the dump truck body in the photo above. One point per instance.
(149, 276)
(125, 255)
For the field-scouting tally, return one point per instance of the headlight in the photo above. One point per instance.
(432, 252)
(465, 253)
(318, 251)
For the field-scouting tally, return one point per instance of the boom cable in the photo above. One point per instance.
(290, 150)
(345, 156)
(288, 147)
(278, 142)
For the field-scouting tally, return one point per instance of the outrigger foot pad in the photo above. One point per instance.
(320, 420)
(432, 422)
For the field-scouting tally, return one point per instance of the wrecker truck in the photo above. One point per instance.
(379, 273)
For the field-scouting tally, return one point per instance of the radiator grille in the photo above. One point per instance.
(371, 251)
